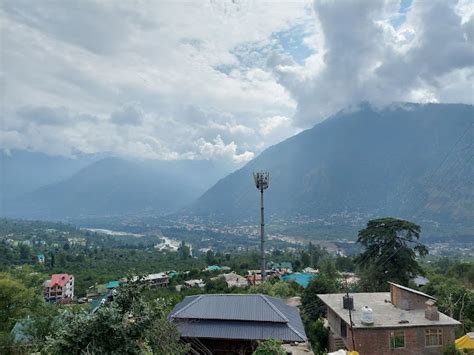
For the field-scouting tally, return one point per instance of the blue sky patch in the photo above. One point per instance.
(292, 43)
(405, 6)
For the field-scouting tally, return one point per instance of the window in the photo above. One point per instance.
(343, 329)
(433, 337)
(397, 339)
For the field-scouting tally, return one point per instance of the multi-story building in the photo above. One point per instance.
(402, 321)
(60, 288)
(160, 279)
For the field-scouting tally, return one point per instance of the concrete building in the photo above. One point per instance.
(233, 323)
(194, 283)
(402, 321)
(234, 280)
(60, 288)
(159, 280)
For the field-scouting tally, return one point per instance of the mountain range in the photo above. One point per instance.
(407, 160)
(105, 187)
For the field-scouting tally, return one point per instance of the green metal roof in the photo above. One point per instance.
(112, 284)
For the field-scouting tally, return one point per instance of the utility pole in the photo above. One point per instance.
(262, 180)
(350, 315)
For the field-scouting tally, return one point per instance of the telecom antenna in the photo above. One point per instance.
(262, 180)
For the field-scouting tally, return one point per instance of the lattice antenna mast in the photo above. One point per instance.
(262, 180)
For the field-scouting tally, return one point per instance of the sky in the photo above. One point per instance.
(220, 80)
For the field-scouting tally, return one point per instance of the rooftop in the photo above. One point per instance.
(112, 284)
(386, 315)
(302, 279)
(59, 279)
(236, 316)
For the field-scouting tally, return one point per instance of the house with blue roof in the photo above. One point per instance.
(213, 268)
(234, 323)
(40, 258)
(301, 278)
(112, 285)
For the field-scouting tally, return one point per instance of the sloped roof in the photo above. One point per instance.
(59, 279)
(234, 316)
(412, 290)
(112, 284)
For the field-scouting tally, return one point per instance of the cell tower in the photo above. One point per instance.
(262, 180)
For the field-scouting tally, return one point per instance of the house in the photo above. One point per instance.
(194, 283)
(20, 333)
(112, 285)
(233, 323)
(40, 258)
(402, 321)
(349, 278)
(234, 280)
(302, 279)
(284, 266)
(213, 268)
(254, 277)
(159, 279)
(96, 291)
(310, 270)
(420, 281)
(60, 288)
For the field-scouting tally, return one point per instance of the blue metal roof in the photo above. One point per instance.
(302, 279)
(233, 316)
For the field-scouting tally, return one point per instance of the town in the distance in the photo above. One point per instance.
(201, 285)
(237, 177)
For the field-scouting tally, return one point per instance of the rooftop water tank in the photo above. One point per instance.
(367, 315)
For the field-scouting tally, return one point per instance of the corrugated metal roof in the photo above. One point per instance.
(233, 316)
(231, 307)
(236, 330)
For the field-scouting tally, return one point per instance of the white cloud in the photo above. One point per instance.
(142, 64)
(366, 58)
(217, 149)
(217, 79)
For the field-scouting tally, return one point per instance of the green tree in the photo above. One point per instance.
(210, 258)
(391, 246)
(15, 301)
(52, 260)
(127, 325)
(344, 263)
(312, 307)
(318, 335)
(454, 299)
(269, 347)
(184, 251)
(216, 285)
(305, 259)
(279, 289)
(26, 253)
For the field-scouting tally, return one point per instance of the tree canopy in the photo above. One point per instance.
(129, 324)
(391, 247)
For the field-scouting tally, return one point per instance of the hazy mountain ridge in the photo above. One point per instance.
(410, 160)
(113, 186)
(378, 162)
(23, 172)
